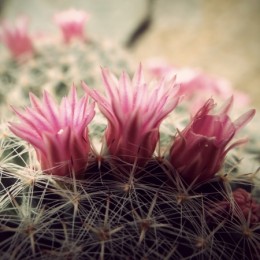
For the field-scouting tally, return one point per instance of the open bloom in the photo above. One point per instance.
(199, 150)
(59, 134)
(16, 38)
(71, 23)
(134, 112)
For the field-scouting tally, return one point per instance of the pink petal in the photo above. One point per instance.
(244, 119)
(138, 78)
(235, 144)
(26, 134)
(125, 91)
(109, 82)
(226, 106)
(51, 110)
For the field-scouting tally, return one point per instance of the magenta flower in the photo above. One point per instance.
(71, 23)
(17, 39)
(134, 113)
(197, 86)
(199, 150)
(59, 134)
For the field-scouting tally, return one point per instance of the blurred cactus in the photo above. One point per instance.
(55, 65)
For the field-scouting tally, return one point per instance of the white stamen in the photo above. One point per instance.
(60, 131)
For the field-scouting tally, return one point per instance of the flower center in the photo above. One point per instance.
(60, 131)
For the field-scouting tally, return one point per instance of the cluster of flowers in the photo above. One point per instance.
(20, 43)
(134, 110)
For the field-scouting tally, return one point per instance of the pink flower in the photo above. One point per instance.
(197, 86)
(71, 23)
(134, 113)
(158, 67)
(59, 134)
(199, 150)
(16, 38)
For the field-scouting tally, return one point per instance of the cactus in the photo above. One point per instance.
(140, 186)
(53, 63)
(134, 203)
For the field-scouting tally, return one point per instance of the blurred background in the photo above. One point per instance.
(222, 37)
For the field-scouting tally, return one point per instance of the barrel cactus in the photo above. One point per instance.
(107, 182)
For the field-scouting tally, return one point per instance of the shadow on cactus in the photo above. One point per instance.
(125, 202)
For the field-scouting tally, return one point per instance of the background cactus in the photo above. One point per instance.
(117, 209)
(54, 65)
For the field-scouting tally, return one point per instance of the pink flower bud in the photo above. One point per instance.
(199, 150)
(59, 134)
(249, 207)
(71, 23)
(244, 206)
(134, 111)
(16, 38)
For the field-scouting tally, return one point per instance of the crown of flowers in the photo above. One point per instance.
(134, 110)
